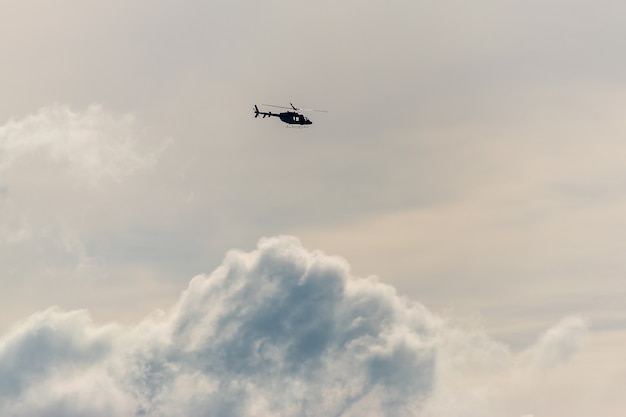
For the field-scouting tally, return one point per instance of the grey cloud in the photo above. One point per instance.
(283, 314)
(278, 330)
(33, 350)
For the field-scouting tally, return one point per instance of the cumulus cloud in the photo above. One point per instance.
(279, 331)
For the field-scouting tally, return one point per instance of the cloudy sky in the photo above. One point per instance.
(446, 241)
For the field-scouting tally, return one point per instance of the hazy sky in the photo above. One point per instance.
(472, 160)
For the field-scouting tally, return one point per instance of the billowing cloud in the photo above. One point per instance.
(279, 331)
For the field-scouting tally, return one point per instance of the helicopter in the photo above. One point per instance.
(292, 117)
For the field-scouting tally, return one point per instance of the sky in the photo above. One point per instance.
(446, 241)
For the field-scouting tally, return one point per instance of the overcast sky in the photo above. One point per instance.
(472, 160)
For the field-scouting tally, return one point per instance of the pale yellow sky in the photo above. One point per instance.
(472, 157)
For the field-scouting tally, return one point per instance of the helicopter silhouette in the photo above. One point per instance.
(292, 117)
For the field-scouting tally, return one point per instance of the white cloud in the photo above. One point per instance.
(279, 331)
(559, 343)
(57, 168)
(95, 144)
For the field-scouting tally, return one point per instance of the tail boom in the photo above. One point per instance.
(264, 114)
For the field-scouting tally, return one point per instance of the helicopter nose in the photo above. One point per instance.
(309, 122)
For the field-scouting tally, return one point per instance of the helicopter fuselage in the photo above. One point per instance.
(294, 118)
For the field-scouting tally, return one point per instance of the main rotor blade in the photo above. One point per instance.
(325, 111)
(294, 108)
(299, 109)
(280, 107)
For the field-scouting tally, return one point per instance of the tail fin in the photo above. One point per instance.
(256, 111)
